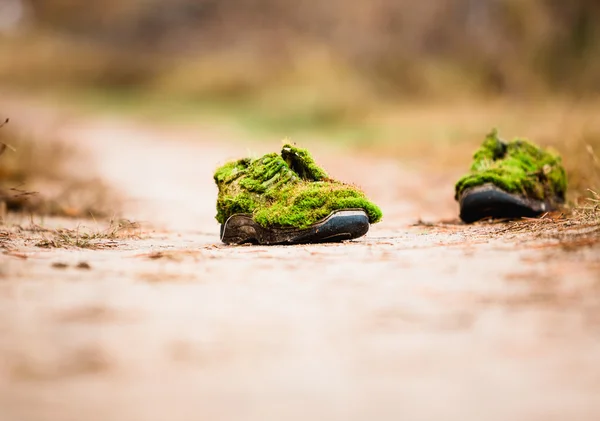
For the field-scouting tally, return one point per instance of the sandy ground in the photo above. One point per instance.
(426, 322)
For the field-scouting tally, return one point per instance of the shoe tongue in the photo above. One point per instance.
(496, 144)
(300, 161)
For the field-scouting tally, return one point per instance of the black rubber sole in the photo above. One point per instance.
(339, 226)
(489, 201)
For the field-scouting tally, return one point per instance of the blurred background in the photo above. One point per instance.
(389, 49)
(385, 75)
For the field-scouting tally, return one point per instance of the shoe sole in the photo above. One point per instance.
(338, 226)
(489, 201)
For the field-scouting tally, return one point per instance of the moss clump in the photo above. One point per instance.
(300, 161)
(518, 167)
(287, 190)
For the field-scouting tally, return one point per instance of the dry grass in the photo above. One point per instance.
(568, 230)
(589, 210)
(109, 237)
(23, 156)
(112, 234)
(568, 233)
(36, 176)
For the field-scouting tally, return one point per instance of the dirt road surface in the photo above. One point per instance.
(413, 322)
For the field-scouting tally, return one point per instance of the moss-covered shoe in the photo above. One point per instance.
(511, 180)
(288, 199)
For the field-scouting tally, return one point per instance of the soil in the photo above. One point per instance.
(423, 319)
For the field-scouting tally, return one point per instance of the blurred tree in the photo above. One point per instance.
(502, 46)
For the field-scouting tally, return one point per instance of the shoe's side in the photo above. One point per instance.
(285, 192)
(339, 226)
(510, 180)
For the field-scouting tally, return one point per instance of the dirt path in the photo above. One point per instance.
(418, 323)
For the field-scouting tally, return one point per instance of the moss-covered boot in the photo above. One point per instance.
(511, 180)
(288, 199)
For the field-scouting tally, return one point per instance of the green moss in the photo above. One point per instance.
(302, 163)
(290, 190)
(518, 167)
(491, 150)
